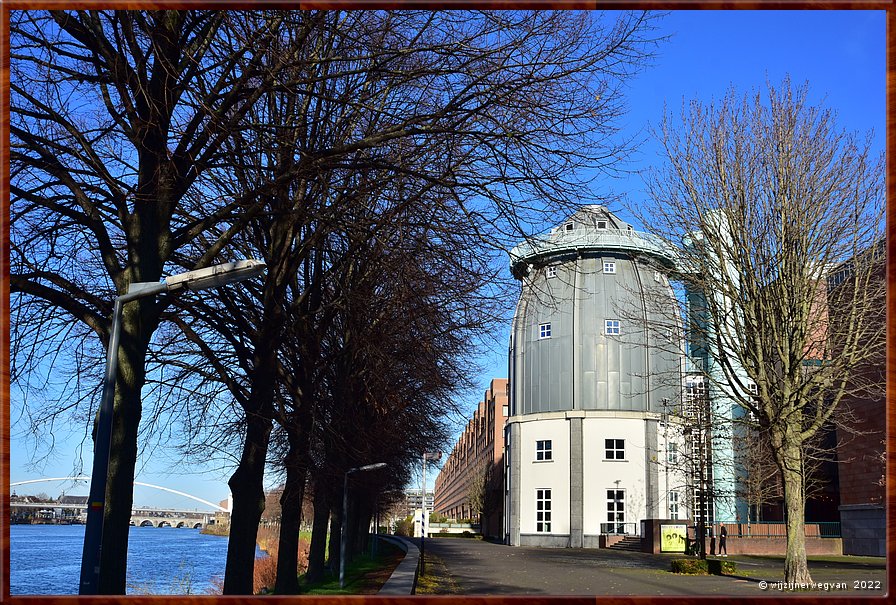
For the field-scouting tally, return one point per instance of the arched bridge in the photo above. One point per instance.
(141, 516)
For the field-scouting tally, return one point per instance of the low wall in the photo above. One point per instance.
(769, 542)
(452, 528)
(403, 580)
(778, 546)
(604, 540)
(546, 540)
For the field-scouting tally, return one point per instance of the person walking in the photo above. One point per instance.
(723, 537)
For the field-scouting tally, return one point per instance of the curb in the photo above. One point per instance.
(404, 579)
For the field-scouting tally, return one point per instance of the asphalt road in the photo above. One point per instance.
(484, 568)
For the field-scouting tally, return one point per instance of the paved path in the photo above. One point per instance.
(479, 567)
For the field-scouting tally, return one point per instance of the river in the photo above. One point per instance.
(46, 559)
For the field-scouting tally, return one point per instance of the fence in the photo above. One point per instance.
(619, 529)
(777, 529)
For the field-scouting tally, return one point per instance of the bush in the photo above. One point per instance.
(265, 571)
(405, 527)
(703, 567)
(721, 568)
(264, 574)
(690, 566)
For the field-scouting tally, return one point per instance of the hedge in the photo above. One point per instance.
(703, 567)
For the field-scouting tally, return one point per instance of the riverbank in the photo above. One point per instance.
(216, 530)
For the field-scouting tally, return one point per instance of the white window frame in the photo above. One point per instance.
(544, 450)
(543, 510)
(613, 502)
(612, 327)
(544, 331)
(609, 266)
(612, 449)
(673, 504)
(672, 453)
(551, 271)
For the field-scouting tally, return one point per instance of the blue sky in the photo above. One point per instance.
(841, 54)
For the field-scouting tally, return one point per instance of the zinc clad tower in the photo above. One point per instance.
(593, 367)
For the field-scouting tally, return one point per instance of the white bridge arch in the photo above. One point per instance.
(159, 487)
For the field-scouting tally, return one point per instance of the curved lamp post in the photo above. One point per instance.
(358, 469)
(210, 277)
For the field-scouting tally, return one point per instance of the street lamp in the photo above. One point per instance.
(210, 277)
(359, 469)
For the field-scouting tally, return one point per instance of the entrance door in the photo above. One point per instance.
(616, 511)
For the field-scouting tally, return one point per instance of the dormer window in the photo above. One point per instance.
(601, 224)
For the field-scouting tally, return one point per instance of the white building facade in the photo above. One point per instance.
(591, 447)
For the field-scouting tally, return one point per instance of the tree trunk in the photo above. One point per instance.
(796, 569)
(291, 512)
(247, 488)
(137, 324)
(361, 525)
(317, 552)
(335, 531)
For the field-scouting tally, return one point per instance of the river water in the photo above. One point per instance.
(46, 559)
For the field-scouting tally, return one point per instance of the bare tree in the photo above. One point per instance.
(116, 119)
(764, 196)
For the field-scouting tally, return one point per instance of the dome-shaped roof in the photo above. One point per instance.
(590, 228)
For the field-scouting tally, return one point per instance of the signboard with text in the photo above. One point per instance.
(673, 538)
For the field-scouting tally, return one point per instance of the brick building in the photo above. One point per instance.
(477, 464)
(861, 457)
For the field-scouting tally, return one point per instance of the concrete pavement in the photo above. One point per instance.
(479, 567)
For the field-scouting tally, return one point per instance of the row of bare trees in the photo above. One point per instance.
(374, 160)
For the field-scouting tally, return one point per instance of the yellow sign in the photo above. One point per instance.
(673, 538)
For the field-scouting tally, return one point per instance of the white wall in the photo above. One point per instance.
(601, 475)
(553, 475)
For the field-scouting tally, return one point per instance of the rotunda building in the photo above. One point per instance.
(595, 365)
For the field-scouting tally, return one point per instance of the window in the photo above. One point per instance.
(544, 331)
(552, 271)
(695, 398)
(543, 450)
(609, 267)
(601, 224)
(543, 510)
(673, 505)
(704, 509)
(672, 453)
(611, 326)
(569, 226)
(657, 276)
(615, 511)
(505, 410)
(615, 449)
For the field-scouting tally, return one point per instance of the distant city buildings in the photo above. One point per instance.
(413, 500)
(470, 485)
